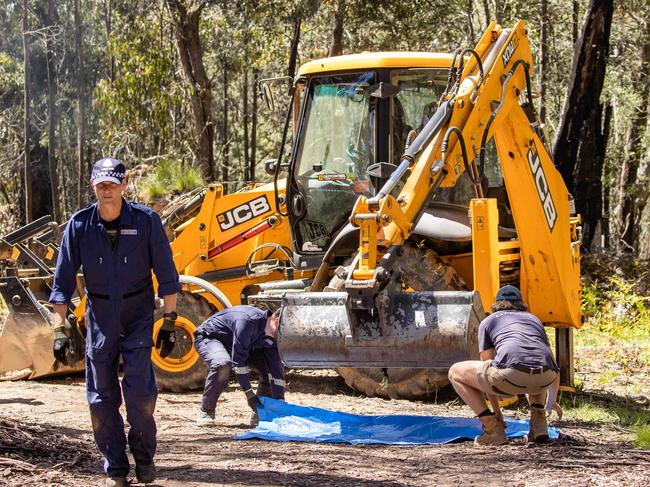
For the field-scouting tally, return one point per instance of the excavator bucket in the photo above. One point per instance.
(429, 330)
(26, 336)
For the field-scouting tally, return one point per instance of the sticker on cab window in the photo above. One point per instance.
(310, 247)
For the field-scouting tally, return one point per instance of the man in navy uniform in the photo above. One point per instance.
(117, 243)
(237, 338)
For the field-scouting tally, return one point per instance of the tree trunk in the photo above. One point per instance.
(27, 169)
(108, 26)
(225, 146)
(581, 139)
(543, 65)
(52, 112)
(253, 160)
(9, 199)
(245, 117)
(486, 10)
(497, 11)
(188, 42)
(81, 109)
(336, 47)
(643, 180)
(293, 52)
(470, 9)
(632, 188)
(574, 21)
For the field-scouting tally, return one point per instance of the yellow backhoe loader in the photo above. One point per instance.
(464, 198)
(416, 185)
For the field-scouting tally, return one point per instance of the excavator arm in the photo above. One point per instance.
(489, 96)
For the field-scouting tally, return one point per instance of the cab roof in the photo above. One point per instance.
(374, 60)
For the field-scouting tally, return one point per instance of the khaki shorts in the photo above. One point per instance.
(511, 382)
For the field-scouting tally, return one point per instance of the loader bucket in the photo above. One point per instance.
(431, 330)
(26, 337)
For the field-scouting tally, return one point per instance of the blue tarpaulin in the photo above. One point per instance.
(281, 421)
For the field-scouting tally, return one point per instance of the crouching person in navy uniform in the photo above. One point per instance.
(118, 243)
(235, 339)
(515, 359)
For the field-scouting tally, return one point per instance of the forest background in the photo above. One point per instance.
(134, 80)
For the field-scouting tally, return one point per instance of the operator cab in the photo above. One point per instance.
(349, 120)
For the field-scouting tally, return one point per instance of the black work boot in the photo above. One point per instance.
(145, 473)
(255, 419)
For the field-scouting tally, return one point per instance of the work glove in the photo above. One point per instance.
(61, 345)
(166, 337)
(253, 401)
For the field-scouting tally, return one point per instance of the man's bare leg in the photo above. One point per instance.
(463, 377)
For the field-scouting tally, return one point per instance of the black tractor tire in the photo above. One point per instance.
(423, 270)
(395, 383)
(195, 309)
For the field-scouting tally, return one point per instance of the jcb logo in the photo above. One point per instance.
(542, 186)
(243, 213)
(509, 51)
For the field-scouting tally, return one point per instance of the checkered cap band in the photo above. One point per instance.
(112, 174)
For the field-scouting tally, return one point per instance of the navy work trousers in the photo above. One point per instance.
(105, 397)
(217, 357)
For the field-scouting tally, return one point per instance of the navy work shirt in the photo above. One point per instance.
(119, 286)
(518, 338)
(241, 330)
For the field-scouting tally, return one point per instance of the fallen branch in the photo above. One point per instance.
(17, 464)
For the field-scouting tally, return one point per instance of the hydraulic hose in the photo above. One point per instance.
(479, 63)
(276, 172)
(476, 181)
(518, 62)
(452, 76)
(207, 287)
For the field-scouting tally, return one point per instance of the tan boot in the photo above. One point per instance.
(494, 432)
(538, 425)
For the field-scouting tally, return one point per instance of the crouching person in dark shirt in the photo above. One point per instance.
(515, 359)
(235, 339)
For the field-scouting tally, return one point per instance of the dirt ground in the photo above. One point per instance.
(46, 440)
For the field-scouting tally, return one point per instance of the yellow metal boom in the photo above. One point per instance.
(490, 98)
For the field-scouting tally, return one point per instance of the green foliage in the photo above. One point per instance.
(170, 177)
(142, 104)
(11, 79)
(643, 437)
(616, 309)
(588, 413)
(189, 180)
(154, 190)
(141, 107)
(583, 408)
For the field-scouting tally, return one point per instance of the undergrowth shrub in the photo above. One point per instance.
(170, 178)
(616, 308)
(643, 437)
